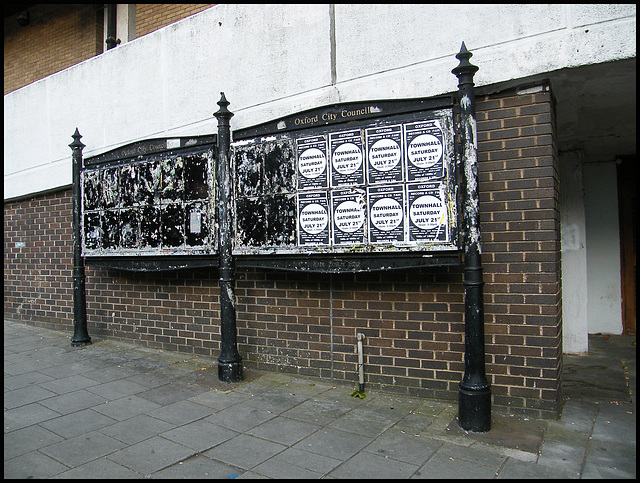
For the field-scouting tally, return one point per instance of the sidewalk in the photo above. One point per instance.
(115, 410)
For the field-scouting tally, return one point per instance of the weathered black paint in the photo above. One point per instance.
(270, 193)
(80, 332)
(474, 411)
(150, 198)
(229, 362)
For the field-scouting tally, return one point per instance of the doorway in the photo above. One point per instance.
(627, 189)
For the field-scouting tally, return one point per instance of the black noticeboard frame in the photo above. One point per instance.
(172, 159)
(345, 249)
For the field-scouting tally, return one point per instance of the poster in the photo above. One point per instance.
(425, 150)
(349, 216)
(347, 156)
(312, 162)
(313, 218)
(386, 214)
(427, 212)
(384, 155)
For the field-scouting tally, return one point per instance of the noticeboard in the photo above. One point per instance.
(374, 179)
(154, 198)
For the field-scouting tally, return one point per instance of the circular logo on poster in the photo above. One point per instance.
(384, 155)
(349, 216)
(314, 218)
(347, 158)
(312, 163)
(427, 212)
(424, 151)
(386, 214)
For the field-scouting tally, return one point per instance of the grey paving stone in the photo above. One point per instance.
(74, 401)
(151, 455)
(151, 379)
(136, 429)
(370, 466)
(279, 469)
(404, 446)
(27, 440)
(81, 449)
(283, 430)
(27, 379)
(317, 411)
(595, 471)
(333, 443)
(25, 395)
(444, 467)
(100, 468)
(563, 449)
(244, 451)
(77, 423)
(515, 469)
(310, 461)
(218, 400)
(199, 435)
(32, 465)
(472, 454)
(365, 421)
(106, 374)
(609, 454)
(126, 407)
(198, 467)
(181, 412)
(275, 401)
(68, 384)
(170, 393)
(64, 369)
(116, 389)
(19, 368)
(240, 417)
(615, 423)
(26, 416)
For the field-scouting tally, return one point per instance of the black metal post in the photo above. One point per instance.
(229, 362)
(80, 334)
(111, 40)
(474, 395)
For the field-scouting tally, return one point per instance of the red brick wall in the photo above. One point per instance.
(153, 16)
(37, 275)
(413, 320)
(57, 37)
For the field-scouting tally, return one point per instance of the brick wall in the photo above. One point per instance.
(305, 323)
(57, 37)
(38, 260)
(153, 16)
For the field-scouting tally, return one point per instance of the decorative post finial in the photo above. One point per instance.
(223, 112)
(464, 68)
(76, 141)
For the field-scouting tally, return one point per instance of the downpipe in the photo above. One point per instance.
(360, 338)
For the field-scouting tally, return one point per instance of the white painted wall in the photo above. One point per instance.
(272, 60)
(604, 297)
(574, 254)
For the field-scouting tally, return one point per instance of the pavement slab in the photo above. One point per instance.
(116, 410)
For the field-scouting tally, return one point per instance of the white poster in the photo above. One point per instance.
(312, 162)
(427, 212)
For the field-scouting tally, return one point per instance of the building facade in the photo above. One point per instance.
(555, 94)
